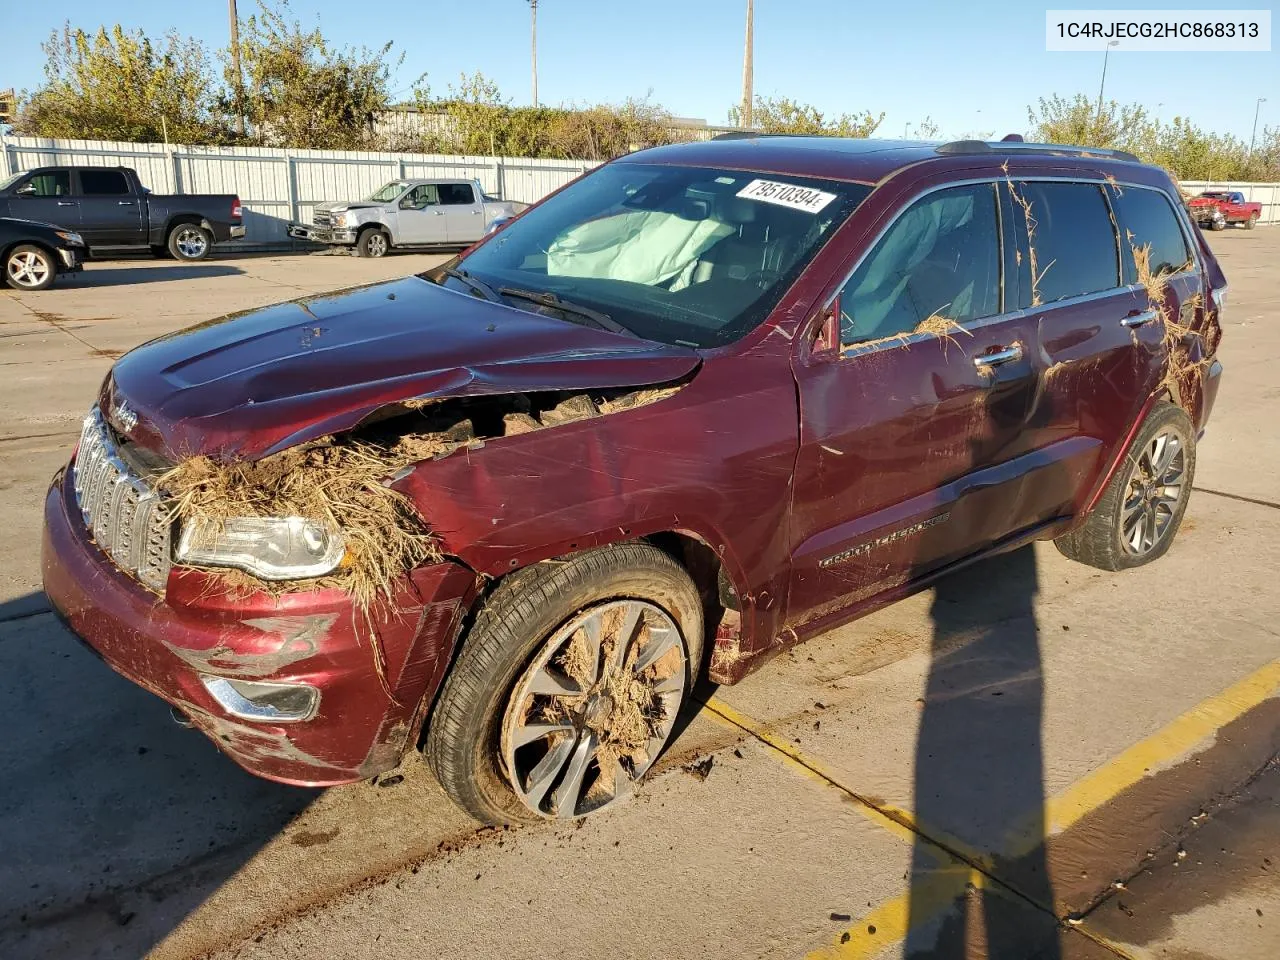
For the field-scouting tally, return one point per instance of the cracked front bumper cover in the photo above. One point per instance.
(373, 698)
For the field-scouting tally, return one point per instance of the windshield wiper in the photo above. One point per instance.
(479, 286)
(548, 299)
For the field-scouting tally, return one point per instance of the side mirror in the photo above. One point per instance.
(28, 189)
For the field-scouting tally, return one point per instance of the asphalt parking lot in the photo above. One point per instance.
(1034, 759)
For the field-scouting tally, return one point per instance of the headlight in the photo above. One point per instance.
(70, 239)
(272, 548)
(342, 219)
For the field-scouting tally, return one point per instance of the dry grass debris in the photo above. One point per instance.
(1188, 350)
(934, 325)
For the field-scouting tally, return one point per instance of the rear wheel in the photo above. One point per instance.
(28, 267)
(1139, 513)
(568, 685)
(190, 241)
(373, 242)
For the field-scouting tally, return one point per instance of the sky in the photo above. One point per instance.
(972, 67)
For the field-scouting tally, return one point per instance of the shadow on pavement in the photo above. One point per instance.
(115, 822)
(95, 276)
(979, 769)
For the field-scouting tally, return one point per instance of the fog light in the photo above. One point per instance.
(259, 700)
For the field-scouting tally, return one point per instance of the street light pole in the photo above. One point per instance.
(748, 80)
(906, 131)
(1097, 120)
(533, 30)
(1253, 136)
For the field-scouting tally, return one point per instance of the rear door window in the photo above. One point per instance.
(456, 194)
(1072, 237)
(103, 183)
(941, 257)
(1147, 219)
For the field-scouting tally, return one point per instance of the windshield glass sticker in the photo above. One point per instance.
(786, 195)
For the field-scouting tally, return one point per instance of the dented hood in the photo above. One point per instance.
(254, 383)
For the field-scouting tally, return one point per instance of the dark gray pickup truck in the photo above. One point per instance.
(109, 207)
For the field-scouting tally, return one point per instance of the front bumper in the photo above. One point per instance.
(72, 259)
(316, 234)
(376, 677)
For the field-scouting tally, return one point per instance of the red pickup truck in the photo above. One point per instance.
(1216, 208)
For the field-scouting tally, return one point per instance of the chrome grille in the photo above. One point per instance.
(128, 520)
(322, 218)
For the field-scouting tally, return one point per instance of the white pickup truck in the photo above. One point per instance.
(407, 213)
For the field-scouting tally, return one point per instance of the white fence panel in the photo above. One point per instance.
(277, 186)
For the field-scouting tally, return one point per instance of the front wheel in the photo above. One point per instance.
(1217, 224)
(568, 685)
(373, 243)
(28, 267)
(1251, 222)
(190, 241)
(1139, 513)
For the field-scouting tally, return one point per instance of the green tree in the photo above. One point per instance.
(120, 85)
(299, 91)
(784, 115)
(1078, 120)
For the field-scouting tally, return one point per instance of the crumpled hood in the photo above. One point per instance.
(337, 206)
(254, 383)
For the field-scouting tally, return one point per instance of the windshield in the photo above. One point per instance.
(684, 255)
(388, 191)
(10, 180)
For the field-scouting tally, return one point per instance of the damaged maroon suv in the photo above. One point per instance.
(704, 403)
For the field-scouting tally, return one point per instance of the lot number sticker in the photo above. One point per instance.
(786, 195)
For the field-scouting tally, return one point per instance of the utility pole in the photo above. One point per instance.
(748, 97)
(1254, 136)
(1097, 121)
(235, 66)
(533, 23)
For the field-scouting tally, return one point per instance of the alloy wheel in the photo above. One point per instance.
(377, 245)
(192, 243)
(1155, 489)
(28, 268)
(594, 709)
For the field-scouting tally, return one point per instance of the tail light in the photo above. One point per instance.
(236, 210)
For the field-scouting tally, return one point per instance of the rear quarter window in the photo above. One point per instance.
(1073, 237)
(1147, 219)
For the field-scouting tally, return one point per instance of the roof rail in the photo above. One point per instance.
(748, 134)
(960, 147)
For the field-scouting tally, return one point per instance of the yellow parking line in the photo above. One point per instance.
(891, 918)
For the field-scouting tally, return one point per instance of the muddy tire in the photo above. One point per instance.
(28, 267)
(1251, 222)
(493, 698)
(190, 242)
(373, 242)
(1139, 513)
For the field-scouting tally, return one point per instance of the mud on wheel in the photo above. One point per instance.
(1139, 513)
(568, 686)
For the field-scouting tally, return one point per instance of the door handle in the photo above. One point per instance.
(1007, 355)
(66, 203)
(124, 203)
(438, 213)
(1138, 319)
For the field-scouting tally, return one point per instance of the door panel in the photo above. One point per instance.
(911, 457)
(421, 217)
(109, 213)
(51, 202)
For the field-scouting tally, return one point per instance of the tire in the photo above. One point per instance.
(373, 242)
(1217, 224)
(28, 267)
(190, 242)
(1251, 222)
(488, 694)
(1102, 540)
